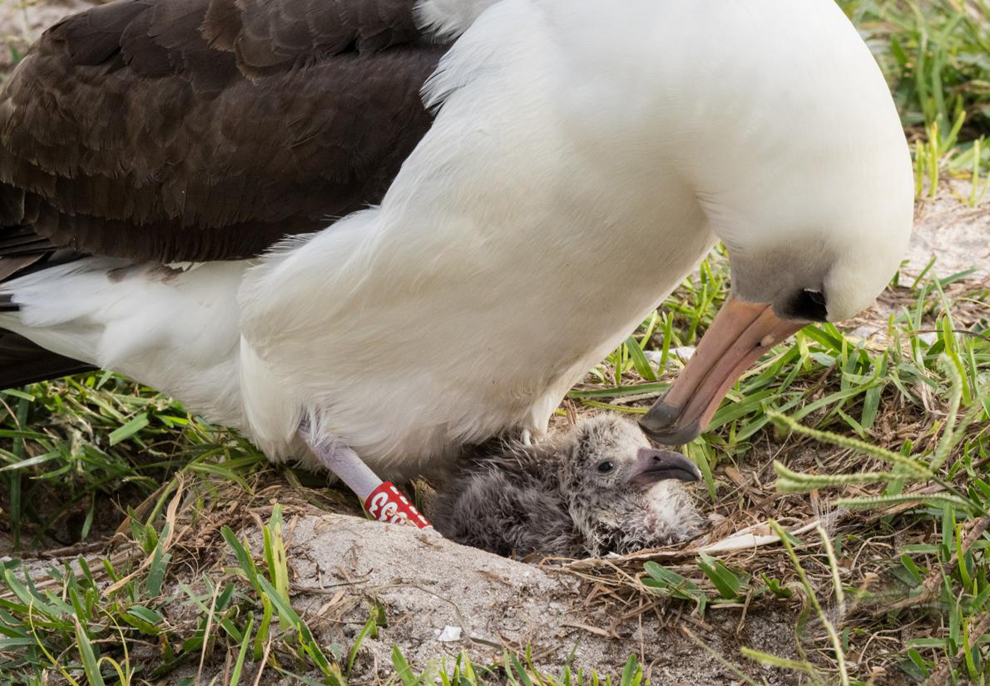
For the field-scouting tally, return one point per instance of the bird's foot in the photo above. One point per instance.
(381, 499)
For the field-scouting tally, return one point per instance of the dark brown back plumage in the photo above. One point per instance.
(208, 129)
(192, 130)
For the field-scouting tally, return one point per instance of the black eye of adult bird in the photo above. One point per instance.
(474, 254)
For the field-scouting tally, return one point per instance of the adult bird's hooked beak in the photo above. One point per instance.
(739, 335)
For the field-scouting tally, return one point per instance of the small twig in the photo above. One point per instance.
(941, 675)
(264, 660)
(934, 580)
(207, 634)
(744, 539)
(742, 616)
(591, 630)
(81, 548)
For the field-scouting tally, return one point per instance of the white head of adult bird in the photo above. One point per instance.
(584, 156)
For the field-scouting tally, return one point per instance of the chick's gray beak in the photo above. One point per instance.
(658, 465)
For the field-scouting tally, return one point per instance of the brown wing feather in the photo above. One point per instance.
(178, 130)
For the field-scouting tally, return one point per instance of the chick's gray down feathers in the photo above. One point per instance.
(551, 499)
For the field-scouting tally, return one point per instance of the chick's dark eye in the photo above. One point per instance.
(605, 467)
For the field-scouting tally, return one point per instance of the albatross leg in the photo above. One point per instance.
(381, 499)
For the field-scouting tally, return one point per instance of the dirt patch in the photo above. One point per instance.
(950, 237)
(954, 234)
(22, 22)
(441, 598)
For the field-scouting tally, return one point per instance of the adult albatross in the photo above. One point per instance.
(454, 266)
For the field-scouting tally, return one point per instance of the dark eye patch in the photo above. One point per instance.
(808, 305)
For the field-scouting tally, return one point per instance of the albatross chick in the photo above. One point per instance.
(598, 488)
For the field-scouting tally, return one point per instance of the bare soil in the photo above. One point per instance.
(954, 234)
(441, 598)
(22, 21)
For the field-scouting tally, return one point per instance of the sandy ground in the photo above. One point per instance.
(22, 21)
(441, 598)
(954, 234)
